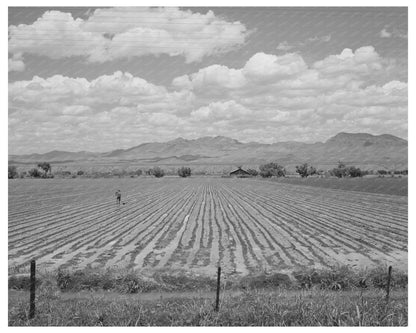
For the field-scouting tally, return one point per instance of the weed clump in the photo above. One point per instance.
(125, 282)
(345, 278)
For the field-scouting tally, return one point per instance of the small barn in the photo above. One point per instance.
(239, 172)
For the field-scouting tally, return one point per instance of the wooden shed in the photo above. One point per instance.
(239, 172)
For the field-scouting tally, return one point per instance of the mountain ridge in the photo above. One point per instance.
(378, 150)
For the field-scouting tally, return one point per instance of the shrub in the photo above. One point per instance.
(35, 173)
(119, 173)
(135, 173)
(355, 172)
(343, 171)
(340, 171)
(80, 173)
(400, 172)
(12, 172)
(305, 170)
(158, 172)
(365, 172)
(272, 169)
(65, 173)
(184, 172)
(22, 282)
(46, 167)
(149, 172)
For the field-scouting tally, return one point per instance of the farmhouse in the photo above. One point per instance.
(239, 172)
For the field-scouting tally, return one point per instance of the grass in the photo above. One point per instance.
(125, 281)
(279, 307)
(129, 281)
(337, 297)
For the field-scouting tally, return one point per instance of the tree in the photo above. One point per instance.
(272, 169)
(340, 171)
(46, 167)
(80, 173)
(35, 173)
(382, 172)
(253, 172)
(12, 172)
(184, 172)
(305, 170)
(355, 172)
(158, 172)
(138, 172)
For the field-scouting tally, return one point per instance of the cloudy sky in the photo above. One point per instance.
(99, 79)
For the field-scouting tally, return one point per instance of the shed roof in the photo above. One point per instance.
(239, 171)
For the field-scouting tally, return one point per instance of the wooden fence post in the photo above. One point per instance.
(388, 284)
(32, 288)
(217, 303)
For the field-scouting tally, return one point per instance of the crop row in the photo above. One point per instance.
(195, 224)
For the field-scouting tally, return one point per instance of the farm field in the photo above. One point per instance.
(370, 184)
(194, 224)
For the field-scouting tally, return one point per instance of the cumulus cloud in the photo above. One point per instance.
(215, 76)
(284, 91)
(16, 63)
(270, 98)
(116, 89)
(363, 61)
(325, 38)
(286, 74)
(394, 33)
(75, 110)
(115, 33)
(221, 111)
(286, 46)
(217, 79)
(385, 34)
(164, 119)
(263, 65)
(55, 108)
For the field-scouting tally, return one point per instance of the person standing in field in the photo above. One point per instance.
(118, 197)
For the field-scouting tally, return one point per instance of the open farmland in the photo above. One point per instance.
(245, 225)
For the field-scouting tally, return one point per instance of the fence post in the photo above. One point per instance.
(32, 288)
(388, 284)
(217, 303)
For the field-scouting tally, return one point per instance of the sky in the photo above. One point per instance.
(100, 79)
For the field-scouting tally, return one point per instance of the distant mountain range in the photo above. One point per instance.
(359, 149)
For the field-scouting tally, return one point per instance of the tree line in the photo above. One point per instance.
(44, 170)
(268, 170)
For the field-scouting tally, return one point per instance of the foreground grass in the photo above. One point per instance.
(249, 308)
(129, 281)
(338, 297)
